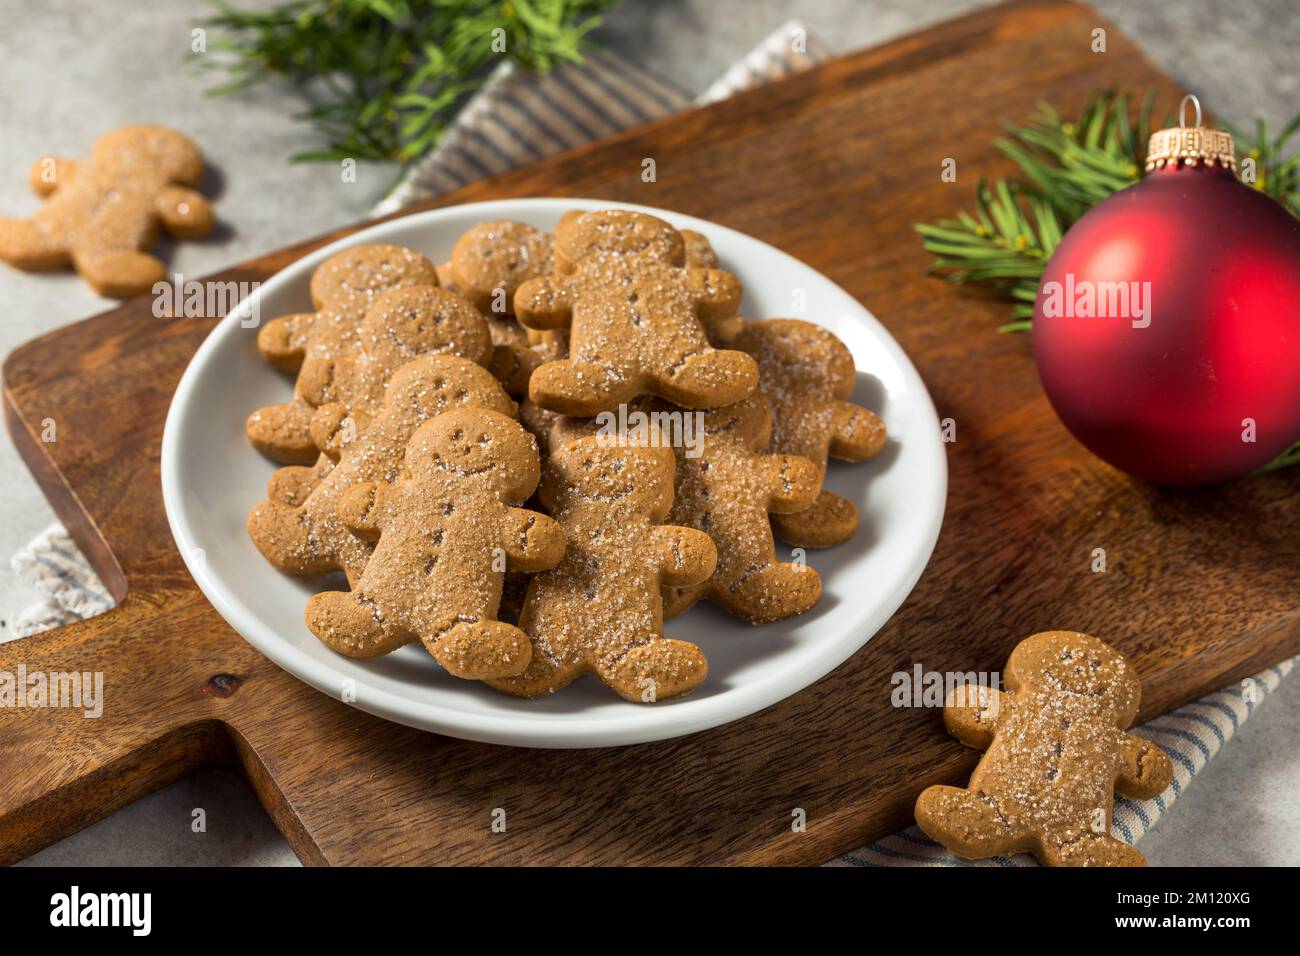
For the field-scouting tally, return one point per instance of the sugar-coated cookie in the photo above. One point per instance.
(343, 288)
(301, 532)
(807, 375)
(636, 319)
(492, 260)
(1056, 750)
(402, 324)
(727, 491)
(599, 611)
(447, 531)
(103, 213)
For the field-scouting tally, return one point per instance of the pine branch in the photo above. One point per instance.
(384, 77)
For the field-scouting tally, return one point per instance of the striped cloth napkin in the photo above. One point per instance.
(518, 118)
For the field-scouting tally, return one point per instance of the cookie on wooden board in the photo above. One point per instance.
(1056, 749)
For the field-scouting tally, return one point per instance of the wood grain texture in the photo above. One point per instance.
(832, 166)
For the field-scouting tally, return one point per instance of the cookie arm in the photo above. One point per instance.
(716, 293)
(49, 173)
(283, 340)
(544, 303)
(971, 713)
(185, 214)
(363, 507)
(331, 429)
(533, 541)
(686, 556)
(1145, 769)
(793, 483)
(857, 433)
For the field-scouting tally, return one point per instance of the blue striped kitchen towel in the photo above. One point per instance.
(519, 117)
(54, 565)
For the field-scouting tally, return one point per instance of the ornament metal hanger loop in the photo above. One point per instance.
(1182, 110)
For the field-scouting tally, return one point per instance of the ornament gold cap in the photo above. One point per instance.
(1190, 145)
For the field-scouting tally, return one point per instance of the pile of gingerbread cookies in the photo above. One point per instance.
(458, 445)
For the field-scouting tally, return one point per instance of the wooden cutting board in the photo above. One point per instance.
(832, 166)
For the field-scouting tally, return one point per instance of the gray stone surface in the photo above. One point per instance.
(72, 69)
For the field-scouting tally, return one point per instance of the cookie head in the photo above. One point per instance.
(616, 232)
(422, 320)
(164, 150)
(610, 474)
(793, 353)
(432, 384)
(351, 280)
(496, 258)
(477, 444)
(1072, 663)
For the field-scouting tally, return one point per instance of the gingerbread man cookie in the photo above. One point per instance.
(488, 263)
(636, 319)
(727, 491)
(343, 288)
(599, 611)
(1056, 750)
(401, 325)
(808, 375)
(299, 529)
(446, 533)
(103, 213)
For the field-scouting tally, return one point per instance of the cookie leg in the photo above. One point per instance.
(292, 484)
(679, 600)
(571, 387)
(25, 246)
(285, 541)
(964, 823)
(282, 433)
(830, 521)
(542, 676)
(709, 379)
(1091, 849)
(482, 649)
(120, 274)
(657, 670)
(770, 593)
(349, 627)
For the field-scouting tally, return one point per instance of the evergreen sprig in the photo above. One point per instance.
(1066, 168)
(384, 77)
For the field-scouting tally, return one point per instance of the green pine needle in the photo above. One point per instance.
(384, 77)
(1066, 168)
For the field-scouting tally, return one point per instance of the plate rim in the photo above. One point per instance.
(642, 724)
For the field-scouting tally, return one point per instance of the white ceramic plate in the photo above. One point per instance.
(211, 477)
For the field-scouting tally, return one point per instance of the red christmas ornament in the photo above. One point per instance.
(1167, 325)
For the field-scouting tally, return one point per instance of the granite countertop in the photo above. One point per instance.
(73, 69)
